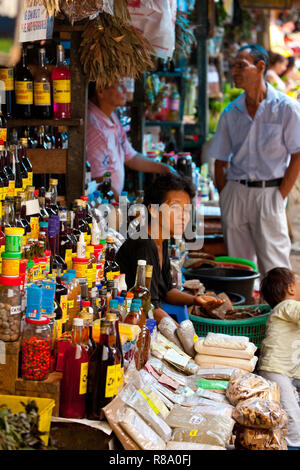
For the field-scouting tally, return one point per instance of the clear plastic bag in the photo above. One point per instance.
(148, 411)
(243, 387)
(261, 414)
(185, 419)
(220, 340)
(187, 336)
(139, 431)
(260, 439)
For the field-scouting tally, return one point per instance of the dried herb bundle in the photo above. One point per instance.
(121, 10)
(184, 36)
(111, 49)
(19, 431)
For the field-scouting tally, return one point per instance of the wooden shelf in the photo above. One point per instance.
(75, 122)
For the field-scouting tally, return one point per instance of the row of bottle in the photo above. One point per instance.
(42, 137)
(42, 95)
(93, 372)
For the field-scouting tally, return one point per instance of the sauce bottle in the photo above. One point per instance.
(73, 386)
(102, 372)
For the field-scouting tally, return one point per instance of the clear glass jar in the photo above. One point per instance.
(36, 349)
(10, 308)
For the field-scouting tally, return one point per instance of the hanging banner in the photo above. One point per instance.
(35, 24)
(9, 20)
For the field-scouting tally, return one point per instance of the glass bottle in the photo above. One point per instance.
(42, 88)
(17, 172)
(87, 315)
(102, 380)
(111, 267)
(61, 295)
(105, 187)
(9, 164)
(61, 83)
(53, 190)
(3, 125)
(26, 161)
(7, 77)
(23, 89)
(9, 212)
(73, 387)
(139, 289)
(3, 174)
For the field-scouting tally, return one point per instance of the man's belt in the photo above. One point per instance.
(261, 184)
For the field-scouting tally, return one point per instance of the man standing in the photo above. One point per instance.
(108, 148)
(257, 153)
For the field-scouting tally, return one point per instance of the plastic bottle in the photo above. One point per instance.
(122, 283)
(121, 307)
(73, 387)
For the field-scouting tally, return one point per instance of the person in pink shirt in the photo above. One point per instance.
(108, 148)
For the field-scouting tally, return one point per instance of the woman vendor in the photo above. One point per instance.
(177, 193)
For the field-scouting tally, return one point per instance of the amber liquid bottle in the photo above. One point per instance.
(139, 289)
(23, 89)
(42, 88)
(102, 380)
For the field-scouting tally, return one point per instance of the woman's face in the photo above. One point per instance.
(280, 67)
(176, 214)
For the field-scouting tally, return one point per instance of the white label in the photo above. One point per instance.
(15, 310)
(32, 207)
(2, 353)
(176, 358)
(196, 419)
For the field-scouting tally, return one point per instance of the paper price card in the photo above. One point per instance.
(110, 386)
(83, 378)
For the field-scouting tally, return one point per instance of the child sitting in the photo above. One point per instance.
(280, 351)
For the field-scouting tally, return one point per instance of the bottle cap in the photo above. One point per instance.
(42, 321)
(13, 231)
(142, 262)
(104, 201)
(129, 295)
(11, 255)
(134, 307)
(78, 322)
(10, 281)
(86, 303)
(113, 303)
(110, 240)
(137, 302)
(53, 181)
(120, 299)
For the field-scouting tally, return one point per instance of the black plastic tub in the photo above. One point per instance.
(217, 279)
(236, 299)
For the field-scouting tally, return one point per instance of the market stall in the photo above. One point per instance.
(84, 365)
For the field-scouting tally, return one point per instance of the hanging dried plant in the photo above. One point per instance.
(121, 10)
(111, 49)
(184, 36)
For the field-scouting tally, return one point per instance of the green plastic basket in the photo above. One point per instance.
(254, 328)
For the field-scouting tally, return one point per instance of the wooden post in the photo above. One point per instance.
(202, 60)
(77, 135)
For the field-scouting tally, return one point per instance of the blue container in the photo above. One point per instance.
(48, 293)
(34, 300)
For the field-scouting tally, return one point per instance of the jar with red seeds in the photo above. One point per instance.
(36, 349)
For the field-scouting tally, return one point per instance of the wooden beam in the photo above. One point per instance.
(48, 161)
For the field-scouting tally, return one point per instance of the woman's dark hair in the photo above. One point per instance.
(275, 284)
(274, 58)
(91, 90)
(257, 53)
(156, 193)
(291, 62)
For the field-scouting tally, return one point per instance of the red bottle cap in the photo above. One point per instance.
(86, 303)
(41, 321)
(10, 280)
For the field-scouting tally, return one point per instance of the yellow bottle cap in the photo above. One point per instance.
(14, 231)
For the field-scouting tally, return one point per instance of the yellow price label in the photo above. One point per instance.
(195, 338)
(194, 433)
(154, 408)
(83, 378)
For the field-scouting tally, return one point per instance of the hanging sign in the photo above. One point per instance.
(35, 24)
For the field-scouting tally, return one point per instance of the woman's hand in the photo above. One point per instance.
(208, 302)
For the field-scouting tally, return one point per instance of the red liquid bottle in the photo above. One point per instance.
(61, 83)
(73, 386)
